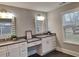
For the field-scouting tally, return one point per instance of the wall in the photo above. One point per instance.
(24, 18)
(55, 25)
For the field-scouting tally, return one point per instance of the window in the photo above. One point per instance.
(71, 26)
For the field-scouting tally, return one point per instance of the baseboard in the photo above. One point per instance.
(73, 53)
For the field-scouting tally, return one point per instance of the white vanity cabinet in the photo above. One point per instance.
(18, 50)
(23, 49)
(3, 51)
(48, 44)
(13, 50)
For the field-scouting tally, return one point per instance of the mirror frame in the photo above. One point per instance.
(13, 29)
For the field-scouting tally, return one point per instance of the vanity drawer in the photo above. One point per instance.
(13, 46)
(52, 38)
(3, 48)
(34, 43)
(23, 44)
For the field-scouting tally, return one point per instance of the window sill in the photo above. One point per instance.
(70, 42)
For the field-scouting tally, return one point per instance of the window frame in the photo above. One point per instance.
(64, 39)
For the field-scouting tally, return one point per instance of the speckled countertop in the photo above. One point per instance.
(45, 35)
(5, 43)
(20, 40)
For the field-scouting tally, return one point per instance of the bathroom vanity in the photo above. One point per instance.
(45, 44)
(19, 48)
(13, 48)
(48, 44)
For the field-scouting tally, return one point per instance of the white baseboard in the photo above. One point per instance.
(73, 53)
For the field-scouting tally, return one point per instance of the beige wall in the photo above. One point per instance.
(24, 19)
(55, 25)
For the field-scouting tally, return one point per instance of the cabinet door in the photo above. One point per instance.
(45, 45)
(51, 43)
(3, 54)
(3, 51)
(23, 49)
(13, 50)
(48, 44)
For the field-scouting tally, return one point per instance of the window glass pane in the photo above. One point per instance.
(71, 26)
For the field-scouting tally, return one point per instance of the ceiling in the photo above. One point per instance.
(38, 6)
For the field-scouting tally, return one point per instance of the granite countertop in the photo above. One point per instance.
(5, 43)
(22, 39)
(45, 35)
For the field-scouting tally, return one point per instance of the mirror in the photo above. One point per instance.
(7, 25)
(40, 24)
